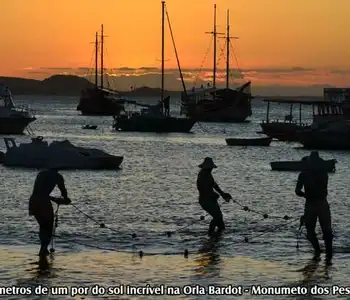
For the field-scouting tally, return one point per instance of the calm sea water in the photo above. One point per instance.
(155, 192)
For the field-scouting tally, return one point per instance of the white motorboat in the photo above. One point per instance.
(13, 119)
(40, 154)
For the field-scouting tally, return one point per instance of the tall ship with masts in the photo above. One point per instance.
(156, 118)
(213, 104)
(100, 100)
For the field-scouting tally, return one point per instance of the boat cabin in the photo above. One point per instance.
(6, 97)
(321, 109)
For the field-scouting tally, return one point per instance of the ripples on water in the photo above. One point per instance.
(155, 192)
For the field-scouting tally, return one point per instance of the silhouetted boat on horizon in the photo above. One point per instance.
(155, 118)
(99, 100)
(214, 104)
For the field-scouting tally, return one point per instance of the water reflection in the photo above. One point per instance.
(209, 259)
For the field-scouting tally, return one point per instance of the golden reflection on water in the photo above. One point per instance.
(22, 267)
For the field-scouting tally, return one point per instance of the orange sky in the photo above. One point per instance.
(273, 33)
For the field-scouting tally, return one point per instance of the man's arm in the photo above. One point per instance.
(225, 196)
(64, 194)
(62, 186)
(299, 186)
(217, 188)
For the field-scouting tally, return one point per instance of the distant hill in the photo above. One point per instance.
(61, 85)
(67, 85)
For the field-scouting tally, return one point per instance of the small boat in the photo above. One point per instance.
(265, 141)
(297, 165)
(90, 127)
(40, 155)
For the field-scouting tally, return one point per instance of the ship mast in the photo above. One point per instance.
(162, 85)
(96, 60)
(102, 56)
(215, 34)
(228, 39)
(228, 50)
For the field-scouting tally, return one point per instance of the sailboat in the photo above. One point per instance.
(212, 104)
(98, 100)
(155, 118)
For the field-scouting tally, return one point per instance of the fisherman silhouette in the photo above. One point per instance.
(208, 197)
(40, 205)
(314, 180)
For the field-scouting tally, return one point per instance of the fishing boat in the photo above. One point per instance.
(214, 104)
(333, 135)
(87, 126)
(13, 119)
(155, 118)
(40, 154)
(264, 141)
(100, 100)
(287, 129)
(298, 165)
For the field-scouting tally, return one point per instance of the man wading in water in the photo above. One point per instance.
(314, 179)
(208, 197)
(40, 205)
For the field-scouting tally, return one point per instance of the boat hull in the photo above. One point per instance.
(323, 140)
(14, 125)
(99, 163)
(287, 132)
(153, 124)
(298, 165)
(249, 142)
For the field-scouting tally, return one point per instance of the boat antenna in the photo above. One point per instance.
(228, 38)
(96, 60)
(102, 56)
(215, 34)
(162, 88)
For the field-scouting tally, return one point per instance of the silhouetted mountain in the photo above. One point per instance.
(68, 85)
(61, 85)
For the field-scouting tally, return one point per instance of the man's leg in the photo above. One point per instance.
(209, 208)
(326, 226)
(45, 233)
(310, 217)
(218, 217)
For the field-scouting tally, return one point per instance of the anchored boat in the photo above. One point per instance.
(155, 118)
(288, 129)
(265, 141)
(40, 154)
(298, 165)
(214, 104)
(100, 100)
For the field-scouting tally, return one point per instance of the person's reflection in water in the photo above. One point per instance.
(309, 272)
(209, 258)
(313, 273)
(44, 266)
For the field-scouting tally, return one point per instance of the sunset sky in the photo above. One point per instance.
(280, 41)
